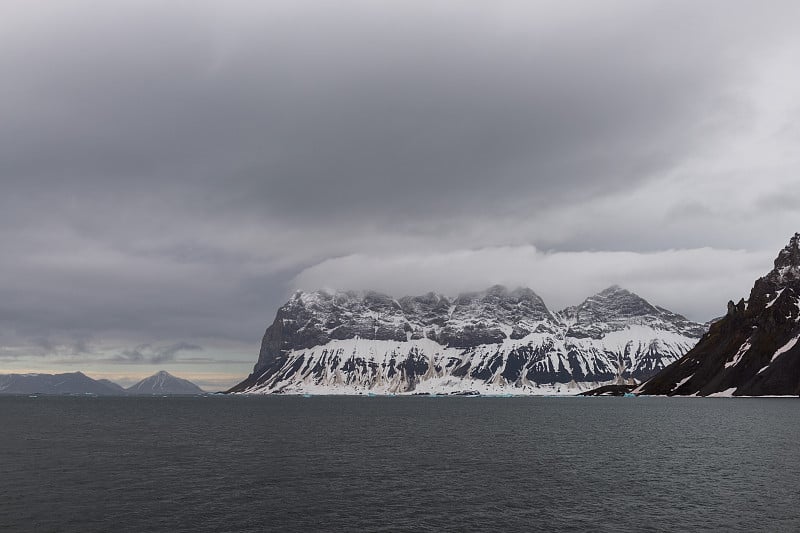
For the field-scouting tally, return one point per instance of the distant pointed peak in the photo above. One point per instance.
(497, 289)
(787, 263)
(522, 290)
(504, 292)
(616, 301)
(306, 298)
(162, 382)
(613, 289)
(790, 255)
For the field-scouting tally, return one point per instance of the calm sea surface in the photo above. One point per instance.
(399, 464)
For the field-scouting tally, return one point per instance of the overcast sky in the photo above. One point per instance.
(171, 172)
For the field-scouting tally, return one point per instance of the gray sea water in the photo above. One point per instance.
(399, 464)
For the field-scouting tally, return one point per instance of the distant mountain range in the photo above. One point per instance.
(71, 383)
(754, 350)
(507, 342)
(495, 341)
(78, 383)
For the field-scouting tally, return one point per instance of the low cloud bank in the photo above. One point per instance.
(696, 282)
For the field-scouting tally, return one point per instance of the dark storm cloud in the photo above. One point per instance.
(315, 111)
(168, 169)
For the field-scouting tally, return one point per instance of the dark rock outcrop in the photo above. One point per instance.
(610, 390)
(754, 350)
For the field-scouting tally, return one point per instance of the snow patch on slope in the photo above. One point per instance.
(785, 348)
(737, 357)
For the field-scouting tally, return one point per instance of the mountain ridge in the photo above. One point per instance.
(496, 340)
(68, 383)
(78, 383)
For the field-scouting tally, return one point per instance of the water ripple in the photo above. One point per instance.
(398, 464)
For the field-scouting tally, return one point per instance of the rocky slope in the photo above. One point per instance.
(754, 350)
(164, 383)
(495, 341)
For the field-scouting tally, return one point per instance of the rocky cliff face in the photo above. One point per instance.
(751, 351)
(495, 341)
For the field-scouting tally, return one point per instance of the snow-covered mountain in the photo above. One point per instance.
(495, 341)
(164, 383)
(754, 350)
(69, 383)
(622, 328)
